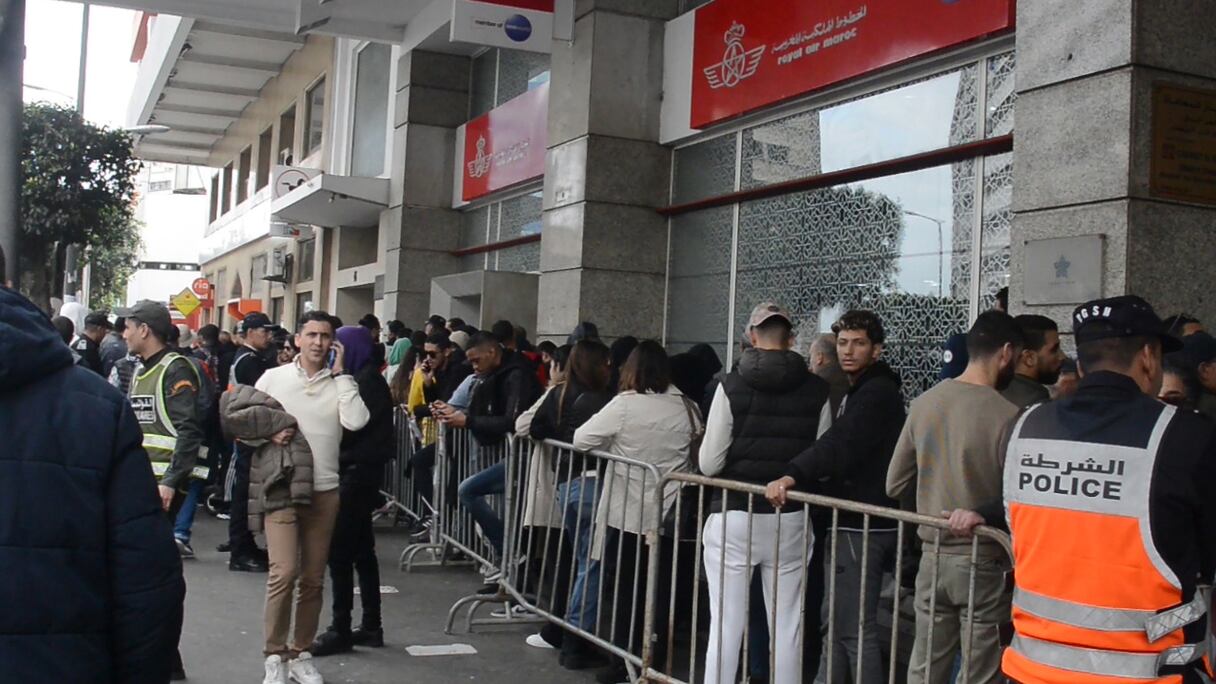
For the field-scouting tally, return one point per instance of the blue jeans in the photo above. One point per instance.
(578, 501)
(472, 494)
(185, 517)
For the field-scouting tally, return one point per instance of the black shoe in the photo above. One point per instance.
(331, 642)
(613, 674)
(582, 659)
(372, 638)
(246, 564)
(262, 555)
(224, 548)
(178, 675)
(488, 590)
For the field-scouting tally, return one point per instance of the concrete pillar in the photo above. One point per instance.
(421, 228)
(1083, 145)
(604, 250)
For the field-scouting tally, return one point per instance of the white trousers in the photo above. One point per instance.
(728, 574)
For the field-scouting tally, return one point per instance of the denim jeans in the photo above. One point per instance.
(185, 517)
(577, 499)
(472, 494)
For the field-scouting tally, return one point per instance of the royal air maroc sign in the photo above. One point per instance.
(749, 54)
(506, 146)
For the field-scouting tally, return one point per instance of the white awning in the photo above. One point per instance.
(334, 201)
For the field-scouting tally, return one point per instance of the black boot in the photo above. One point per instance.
(372, 638)
(332, 642)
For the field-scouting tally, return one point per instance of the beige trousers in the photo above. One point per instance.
(297, 539)
(956, 628)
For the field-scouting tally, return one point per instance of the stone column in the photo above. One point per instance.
(420, 227)
(604, 250)
(1082, 150)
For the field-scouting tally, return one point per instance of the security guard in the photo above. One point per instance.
(88, 342)
(164, 396)
(1107, 495)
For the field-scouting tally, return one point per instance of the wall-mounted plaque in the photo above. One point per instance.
(1063, 270)
(1183, 165)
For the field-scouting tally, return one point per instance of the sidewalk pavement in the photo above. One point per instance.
(222, 637)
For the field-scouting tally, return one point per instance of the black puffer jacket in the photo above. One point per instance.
(775, 405)
(90, 581)
(364, 452)
(564, 410)
(850, 461)
(500, 397)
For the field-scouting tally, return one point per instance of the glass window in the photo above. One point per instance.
(995, 228)
(264, 156)
(314, 121)
(706, 169)
(893, 245)
(519, 216)
(698, 302)
(519, 259)
(304, 304)
(276, 311)
(257, 285)
(371, 111)
(287, 137)
(308, 254)
(226, 190)
(1001, 94)
(476, 227)
(242, 175)
(519, 72)
(215, 197)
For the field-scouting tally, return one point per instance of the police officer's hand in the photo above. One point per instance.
(963, 522)
(166, 496)
(284, 437)
(776, 490)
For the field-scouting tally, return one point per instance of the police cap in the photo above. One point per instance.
(1126, 316)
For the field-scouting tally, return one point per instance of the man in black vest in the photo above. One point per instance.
(763, 415)
(850, 461)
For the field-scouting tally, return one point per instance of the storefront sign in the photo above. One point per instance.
(749, 54)
(506, 146)
(186, 302)
(515, 24)
(1063, 270)
(202, 288)
(1183, 165)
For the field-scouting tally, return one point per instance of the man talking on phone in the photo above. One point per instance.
(316, 390)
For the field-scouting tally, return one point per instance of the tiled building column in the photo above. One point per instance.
(420, 228)
(1083, 140)
(604, 250)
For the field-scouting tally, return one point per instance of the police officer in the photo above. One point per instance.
(88, 342)
(1113, 527)
(256, 357)
(164, 395)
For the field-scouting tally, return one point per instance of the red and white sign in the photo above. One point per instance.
(749, 54)
(202, 288)
(506, 146)
(515, 24)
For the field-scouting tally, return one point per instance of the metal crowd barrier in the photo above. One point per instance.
(613, 552)
(400, 489)
(882, 531)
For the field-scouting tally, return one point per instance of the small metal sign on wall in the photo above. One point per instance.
(1063, 270)
(1183, 163)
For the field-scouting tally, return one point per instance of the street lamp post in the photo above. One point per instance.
(12, 56)
(940, 247)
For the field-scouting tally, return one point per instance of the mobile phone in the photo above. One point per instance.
(331, 358)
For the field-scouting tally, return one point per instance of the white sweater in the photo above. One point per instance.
(322, 405)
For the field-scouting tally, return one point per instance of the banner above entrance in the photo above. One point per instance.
(515, 24)
(505, 146)
(749, 54)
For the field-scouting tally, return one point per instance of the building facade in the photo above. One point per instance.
(673, 163)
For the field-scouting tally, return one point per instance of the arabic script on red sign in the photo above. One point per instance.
(506, 146)
(749, 54)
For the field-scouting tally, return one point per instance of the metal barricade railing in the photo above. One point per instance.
(869, 547)
(399, 486)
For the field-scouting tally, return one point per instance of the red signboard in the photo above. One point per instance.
(749, 54)
(506, 146)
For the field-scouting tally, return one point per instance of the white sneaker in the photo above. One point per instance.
(538, 641)
(276, 671)
(303, 671)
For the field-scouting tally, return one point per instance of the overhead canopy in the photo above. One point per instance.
(334, 201)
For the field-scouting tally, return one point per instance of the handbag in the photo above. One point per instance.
(686, 496)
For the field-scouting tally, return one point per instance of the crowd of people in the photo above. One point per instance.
(287, 436)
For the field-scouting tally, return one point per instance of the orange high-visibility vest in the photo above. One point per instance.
(1094, 600)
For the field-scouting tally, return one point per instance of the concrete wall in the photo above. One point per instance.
(1082, 145)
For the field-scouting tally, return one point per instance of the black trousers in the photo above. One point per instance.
(422, 464)
(179, 498)
(239, 536)
(629, 600)
(352, 550)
